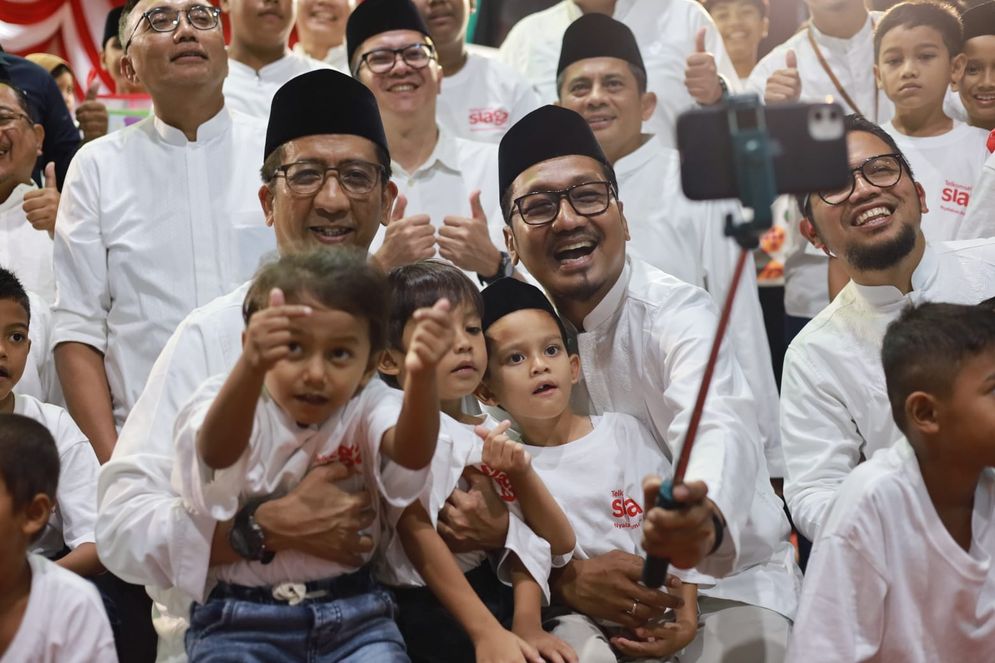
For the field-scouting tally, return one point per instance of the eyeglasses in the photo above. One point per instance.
(306, 178)
(8, 118)
(882, 171)
(382, 60)
(167, 19)
(587, 199)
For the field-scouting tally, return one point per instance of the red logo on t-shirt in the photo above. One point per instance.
(483, 119)
(350, 456)
(956, 193)
(624, 510)
(502, 481)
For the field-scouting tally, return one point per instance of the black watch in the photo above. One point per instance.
(246, 536)
(505, 268)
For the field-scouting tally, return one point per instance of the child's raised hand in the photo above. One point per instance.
(502, 646)
(501, 453)
(267, 338)
(432, 338)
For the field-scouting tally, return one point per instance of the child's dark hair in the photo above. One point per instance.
(941, 16)
(29, 460)
(925, 347)
(341, 279)
(11, 288)
(420, 285)
(761, 5)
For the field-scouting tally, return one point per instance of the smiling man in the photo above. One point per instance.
(259, 59)
(321, 31)
(834, 406)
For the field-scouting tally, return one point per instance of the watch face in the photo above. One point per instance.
(243, 542)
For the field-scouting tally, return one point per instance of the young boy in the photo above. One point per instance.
(46, 613)
(453, 606)
(974, 70)
(296, 399)
(901, 570)
(72, 521)
(743, 24)
(915, 45)
(592, 465)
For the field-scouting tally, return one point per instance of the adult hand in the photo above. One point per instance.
(319, 518)
(475, 519)
(92, 115)
(684, 536)
(408, 238)
(701, 76)
(657, 641)
(784, 84)
(608, 587)
(40, 206)
(466, 243)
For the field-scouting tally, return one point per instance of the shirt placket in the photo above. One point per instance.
(208, 264)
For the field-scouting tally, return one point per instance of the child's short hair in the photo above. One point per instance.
(924, 348)
(29, 460)
(761, 5)
(11, 288)
(341, 279)
(941, 16)
(420, 285)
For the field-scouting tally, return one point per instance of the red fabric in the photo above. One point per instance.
(991, 142)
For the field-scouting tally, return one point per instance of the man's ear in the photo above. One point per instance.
(39, 132)
(648, 105)
(35, 515)
(922, 198)
(128, 69)
(922, 412)
(957, 73)
(811, 233)
(625, 222)
(387, 202)
(485, 395)
(390, 362)
(510, 243)
(266, 200)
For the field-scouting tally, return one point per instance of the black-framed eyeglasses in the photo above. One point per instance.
(306, 178)
(882, 171)
(167, 19)
(8, 118)
(587, 199)
(382, 60)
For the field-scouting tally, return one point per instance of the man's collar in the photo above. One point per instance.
(445, 152)
(210, 129)
(622, 8)
(640, 156)
(611, 302)
(923, 278)
(16, 197)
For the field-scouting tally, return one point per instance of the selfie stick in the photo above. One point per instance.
(753, 153)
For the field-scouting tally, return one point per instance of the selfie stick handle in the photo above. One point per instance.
(757, 190)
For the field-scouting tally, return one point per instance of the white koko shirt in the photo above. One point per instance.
(23, 250)
(642, 352)
(664, 31)
(687, 239)
(251, 92)
(835, 410)
(484, 99)
(150, 227)
(887, 582)
(948, 167)
(981, 209)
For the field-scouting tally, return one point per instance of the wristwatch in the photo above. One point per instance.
(505, 268)
(247, 537)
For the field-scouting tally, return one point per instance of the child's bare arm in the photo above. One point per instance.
(82, 561)
(438, 568)
(527, 623)
(542, 513)
(411, 442)
(225, 433)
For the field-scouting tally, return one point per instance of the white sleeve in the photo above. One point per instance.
(398, 485)
(821, 441)
(145, 535)
(840, 616)
(77, 492)
(526, 100)
(80, 259)
(531, 549)
(78, 630)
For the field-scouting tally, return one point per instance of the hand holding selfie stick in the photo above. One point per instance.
(753, 152)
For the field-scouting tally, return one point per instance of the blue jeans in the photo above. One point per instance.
(353, 622)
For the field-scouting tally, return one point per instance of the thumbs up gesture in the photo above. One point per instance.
(92, 115)
(784, 84)
(40, 206)
(408, 238)
(465, 242)
(701, 77)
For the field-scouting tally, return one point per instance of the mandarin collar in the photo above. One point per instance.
(923, 278)
(274, 71)
(640, 156)
(212, 128)
(612, 302)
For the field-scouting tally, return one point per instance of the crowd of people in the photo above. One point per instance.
(379, 347)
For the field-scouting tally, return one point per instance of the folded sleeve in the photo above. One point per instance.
(77, 492)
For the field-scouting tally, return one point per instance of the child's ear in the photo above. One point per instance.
(957, 74)
(574, 369)
(35, 515)
(390, 362)
(485, 395)
(877, 77)
(921, 413)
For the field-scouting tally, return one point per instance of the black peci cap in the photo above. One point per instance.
(598, 36)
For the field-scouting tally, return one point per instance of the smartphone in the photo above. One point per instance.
(808, 148)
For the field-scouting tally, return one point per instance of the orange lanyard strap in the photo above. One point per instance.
(836, 82)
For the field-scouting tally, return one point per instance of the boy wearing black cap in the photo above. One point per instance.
(111, 53)
(974, 71)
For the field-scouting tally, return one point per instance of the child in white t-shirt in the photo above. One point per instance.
(47, 614)
(974, 71)
(902, 569)
(453, 606)
(593, 466)
(915, 46)
(298, 397)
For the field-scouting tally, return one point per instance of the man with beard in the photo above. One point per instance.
(835, 411)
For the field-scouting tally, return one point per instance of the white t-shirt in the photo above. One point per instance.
(137, 247)
(665, 33)
(981, 209)
(484, 99)
(886, 581)
(251, 92)
(835, 409)
(64, 622)
(72, 520)
(948, 167)
(278, 456)
(23, 250)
